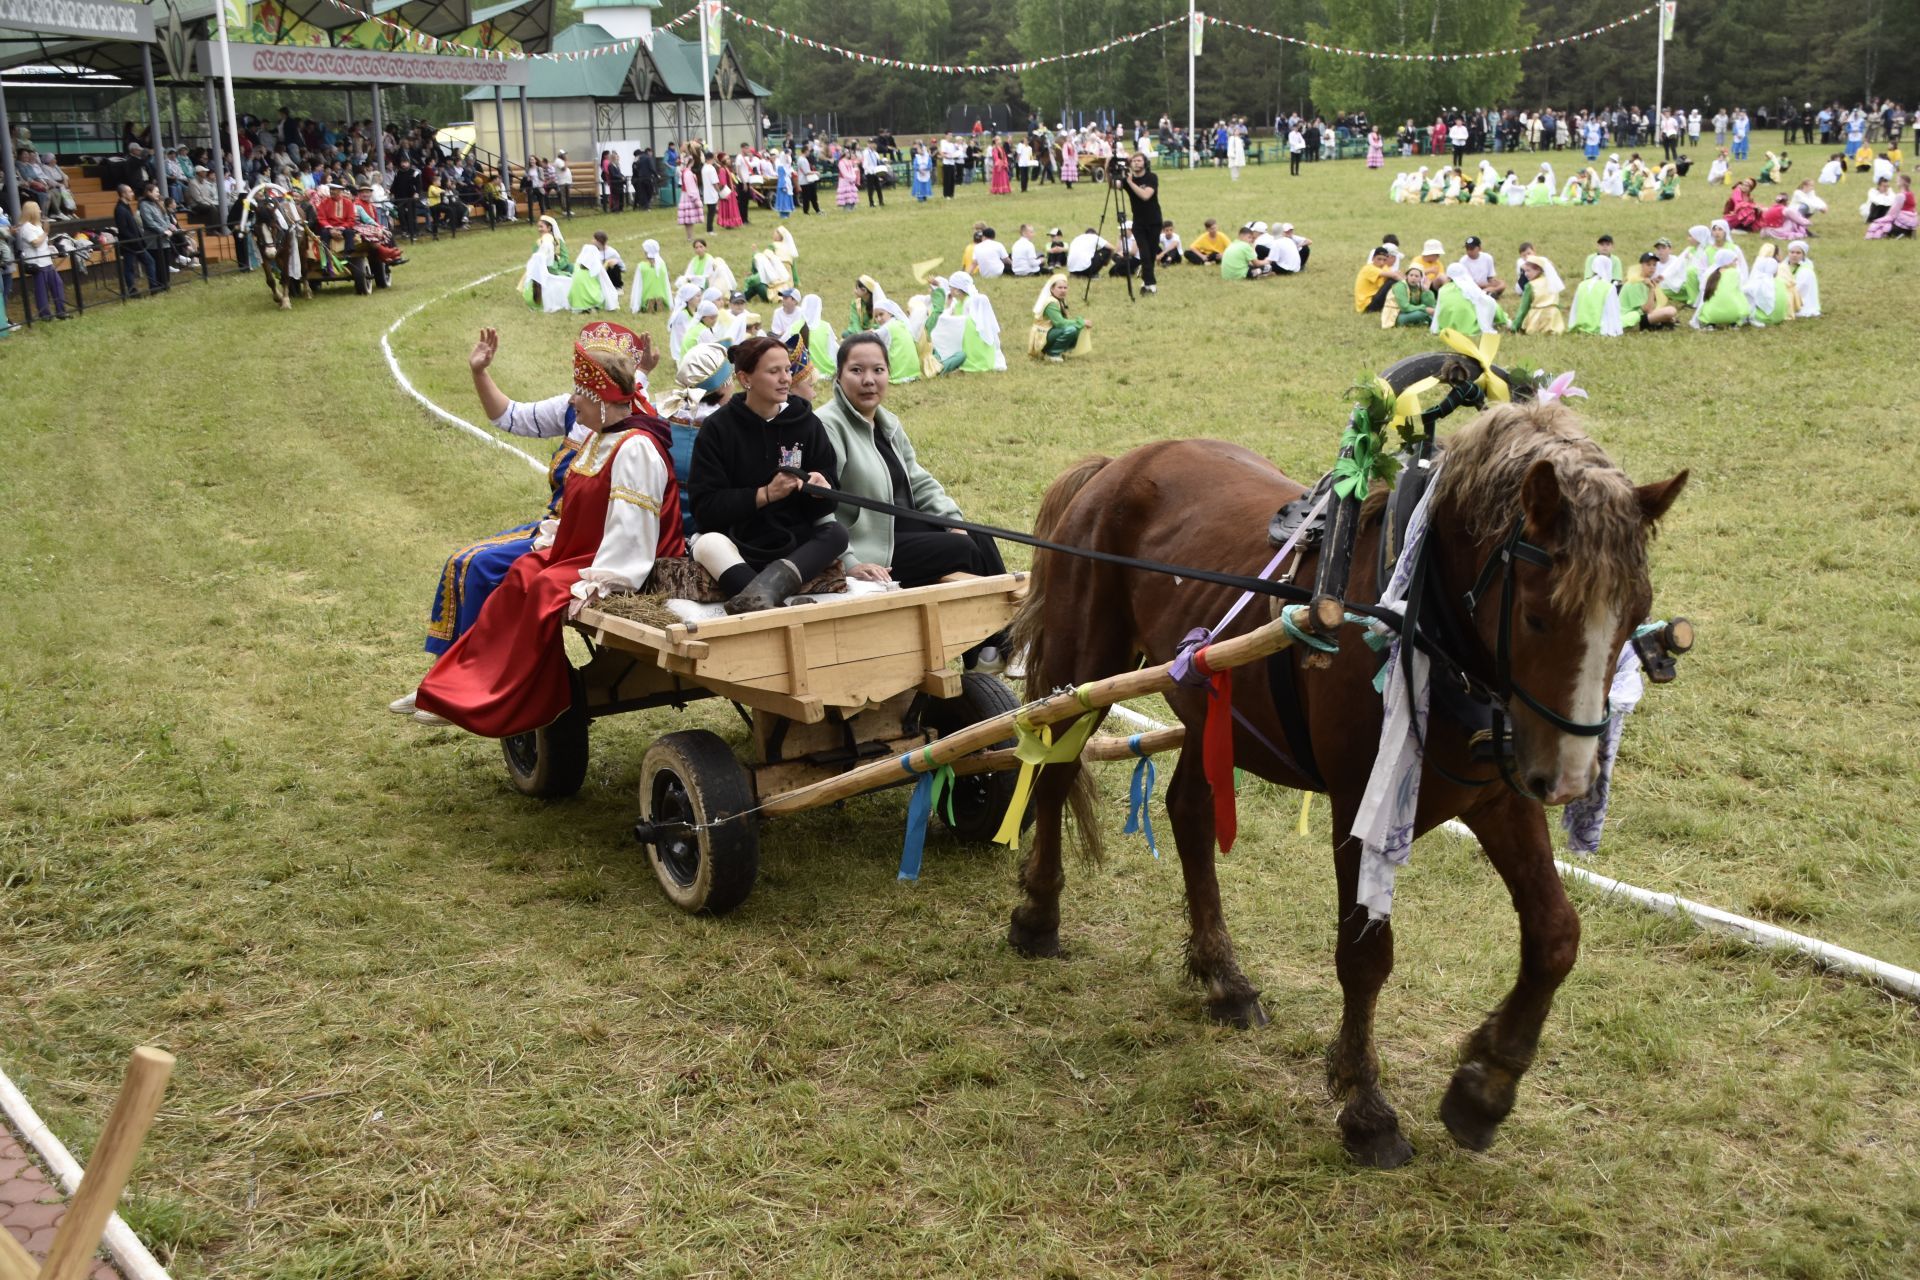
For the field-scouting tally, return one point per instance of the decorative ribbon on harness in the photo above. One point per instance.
(927, 794)
(1035, 747)
(1189, 667)
(1140, 796)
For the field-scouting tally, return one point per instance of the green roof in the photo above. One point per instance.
(675, 60)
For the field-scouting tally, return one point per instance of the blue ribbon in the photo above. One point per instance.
(1139, 793)
(926, 794)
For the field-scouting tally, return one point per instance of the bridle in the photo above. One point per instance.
(1444, 646)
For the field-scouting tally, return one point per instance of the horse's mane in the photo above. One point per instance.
(1602, 528)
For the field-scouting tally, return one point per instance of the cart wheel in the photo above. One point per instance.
(980, 800)
(357, 268)
(692, 778)
(382, 272)
(1402, 374)
(549, 763)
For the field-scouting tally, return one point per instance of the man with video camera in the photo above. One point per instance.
(1143, 191)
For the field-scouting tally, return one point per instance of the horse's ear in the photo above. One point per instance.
(1540, 500)
(1655, 498)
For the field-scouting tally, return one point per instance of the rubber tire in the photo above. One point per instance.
(1402, 374)
(362, 278)
(980, 800)
(382, 273)
(549, 763)
(694, 773)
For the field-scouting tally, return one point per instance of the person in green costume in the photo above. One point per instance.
(967, 337)
(1767, 294)
(592, 289)
(1604, 260)
(1596, 305)
(1539, 192)
(1722, 304)
(1463, 305)
(822, 345)
(890, 322)
(860, 315)
(1643, 305)
(548, 277)
(1410, 303)
(1054, 333)
(650, 280)
(704, 329)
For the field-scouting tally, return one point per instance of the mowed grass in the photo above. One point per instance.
(428, 1028)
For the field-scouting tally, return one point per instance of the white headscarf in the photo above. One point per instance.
(783, 244)
(810, 308)
(979, 308)
(1549, 282)
(650, 249)
(1672, 274)
(1046, 293)
(1760, 284)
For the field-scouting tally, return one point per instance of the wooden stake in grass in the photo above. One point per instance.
(75, 1243)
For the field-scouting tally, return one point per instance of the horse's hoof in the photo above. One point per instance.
(1467, 1116)
(1378, 1148)
(1033, 943)
(1243, 1012)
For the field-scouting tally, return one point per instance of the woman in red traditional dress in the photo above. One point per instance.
(619, 513)
(1002, 184)
(729, 200)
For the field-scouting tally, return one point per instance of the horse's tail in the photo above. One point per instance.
(1024, 635)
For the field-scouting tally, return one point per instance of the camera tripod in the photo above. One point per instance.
(1116, 171)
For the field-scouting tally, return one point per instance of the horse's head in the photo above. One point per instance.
(1555, 548)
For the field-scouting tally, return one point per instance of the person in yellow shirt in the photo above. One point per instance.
(1375, 282)
(1210, 243)
(1432, 260)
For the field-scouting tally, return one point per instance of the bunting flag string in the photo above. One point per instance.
(434, 44)
(1636, 16)
(950, 68)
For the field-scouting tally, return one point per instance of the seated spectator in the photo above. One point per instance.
(158, 228)
(1209, 244)
(203, 198)
(1374, 284)
(1056, 250)
(1026, 254)
(762, 538)
(1290, 251)
(1409, 303)
(990, 257)
(1242, 259)
(1088, 254)
(1170, 253)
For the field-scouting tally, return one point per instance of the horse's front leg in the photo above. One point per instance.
(1513, 831)
(1035, 928)
(1210, 959)
(1363, 958)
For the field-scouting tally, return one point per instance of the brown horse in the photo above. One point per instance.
(1206, 503)
(278, 233)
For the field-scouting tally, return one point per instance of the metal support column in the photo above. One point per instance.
(173, 111)
(500, 130)
(6, 162)
(153, 118)
(219, 157)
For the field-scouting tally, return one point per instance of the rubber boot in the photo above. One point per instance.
(768, 590)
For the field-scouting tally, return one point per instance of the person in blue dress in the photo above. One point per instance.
(783, 185)
(1741, 127)
(1591, 135)
(1856, 133)
(922, 172)
(470, 574)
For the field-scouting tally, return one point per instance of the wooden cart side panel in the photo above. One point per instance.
(1009, 587)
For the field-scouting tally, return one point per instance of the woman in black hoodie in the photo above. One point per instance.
(761, 537)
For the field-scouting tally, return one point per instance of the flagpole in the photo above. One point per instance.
(1660, 68)
(1191, 152)
(706, 79)
(233, 119)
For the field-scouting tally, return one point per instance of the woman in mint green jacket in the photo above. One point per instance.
(876, 460)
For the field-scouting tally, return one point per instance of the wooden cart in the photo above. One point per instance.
(825, 687)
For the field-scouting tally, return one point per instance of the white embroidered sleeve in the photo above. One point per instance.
(540, 419)
(625, 558)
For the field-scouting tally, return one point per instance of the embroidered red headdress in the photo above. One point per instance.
(603, 337)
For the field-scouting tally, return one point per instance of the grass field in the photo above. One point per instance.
(427, 1028)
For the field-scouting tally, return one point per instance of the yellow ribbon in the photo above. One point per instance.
(1035, 747)
(1306, 802)
(1488, 347)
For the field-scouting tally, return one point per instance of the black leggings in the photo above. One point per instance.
(924, 556)
(812, 557)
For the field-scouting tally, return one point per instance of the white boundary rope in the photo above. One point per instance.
(122, 1245)
(453, 419)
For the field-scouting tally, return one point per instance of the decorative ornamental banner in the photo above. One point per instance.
(1667, 11)
(1435, 57)
(1199, 29)
(408, 37)
(295, 63)
(108, 19)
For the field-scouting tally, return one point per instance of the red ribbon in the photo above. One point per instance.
(1217, 750)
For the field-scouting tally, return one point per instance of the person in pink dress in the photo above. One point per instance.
(848, 193)
(1002, 184)
(729, 206)
(689, 211)
(1069, 160)
(1374, 159)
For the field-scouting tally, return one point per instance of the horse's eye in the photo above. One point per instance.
(1536, 623)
